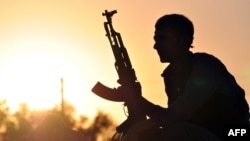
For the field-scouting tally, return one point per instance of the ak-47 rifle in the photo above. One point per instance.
(127, 79)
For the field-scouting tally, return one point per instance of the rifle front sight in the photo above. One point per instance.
(109, 14)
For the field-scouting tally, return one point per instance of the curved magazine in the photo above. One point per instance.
(106, 92)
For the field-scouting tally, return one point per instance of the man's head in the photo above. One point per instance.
(173, 37)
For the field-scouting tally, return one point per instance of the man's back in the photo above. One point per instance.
(225, 104)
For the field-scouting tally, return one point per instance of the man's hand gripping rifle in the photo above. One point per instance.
(129, 90)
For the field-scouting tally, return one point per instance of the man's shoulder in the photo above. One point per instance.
(205, 58)
(203, 55)
(205, 61)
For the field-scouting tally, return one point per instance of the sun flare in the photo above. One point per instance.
(33, 79)
(31, 72)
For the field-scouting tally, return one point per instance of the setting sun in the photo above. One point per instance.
(33, 71)
(35, 58)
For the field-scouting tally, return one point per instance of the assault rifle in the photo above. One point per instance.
(127, 79)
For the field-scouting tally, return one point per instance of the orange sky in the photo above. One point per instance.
(44, 40)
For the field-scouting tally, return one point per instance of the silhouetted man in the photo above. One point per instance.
(203, 97)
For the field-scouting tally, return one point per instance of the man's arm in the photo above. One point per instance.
(149, 108)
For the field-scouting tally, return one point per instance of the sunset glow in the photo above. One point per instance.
(42, 41)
